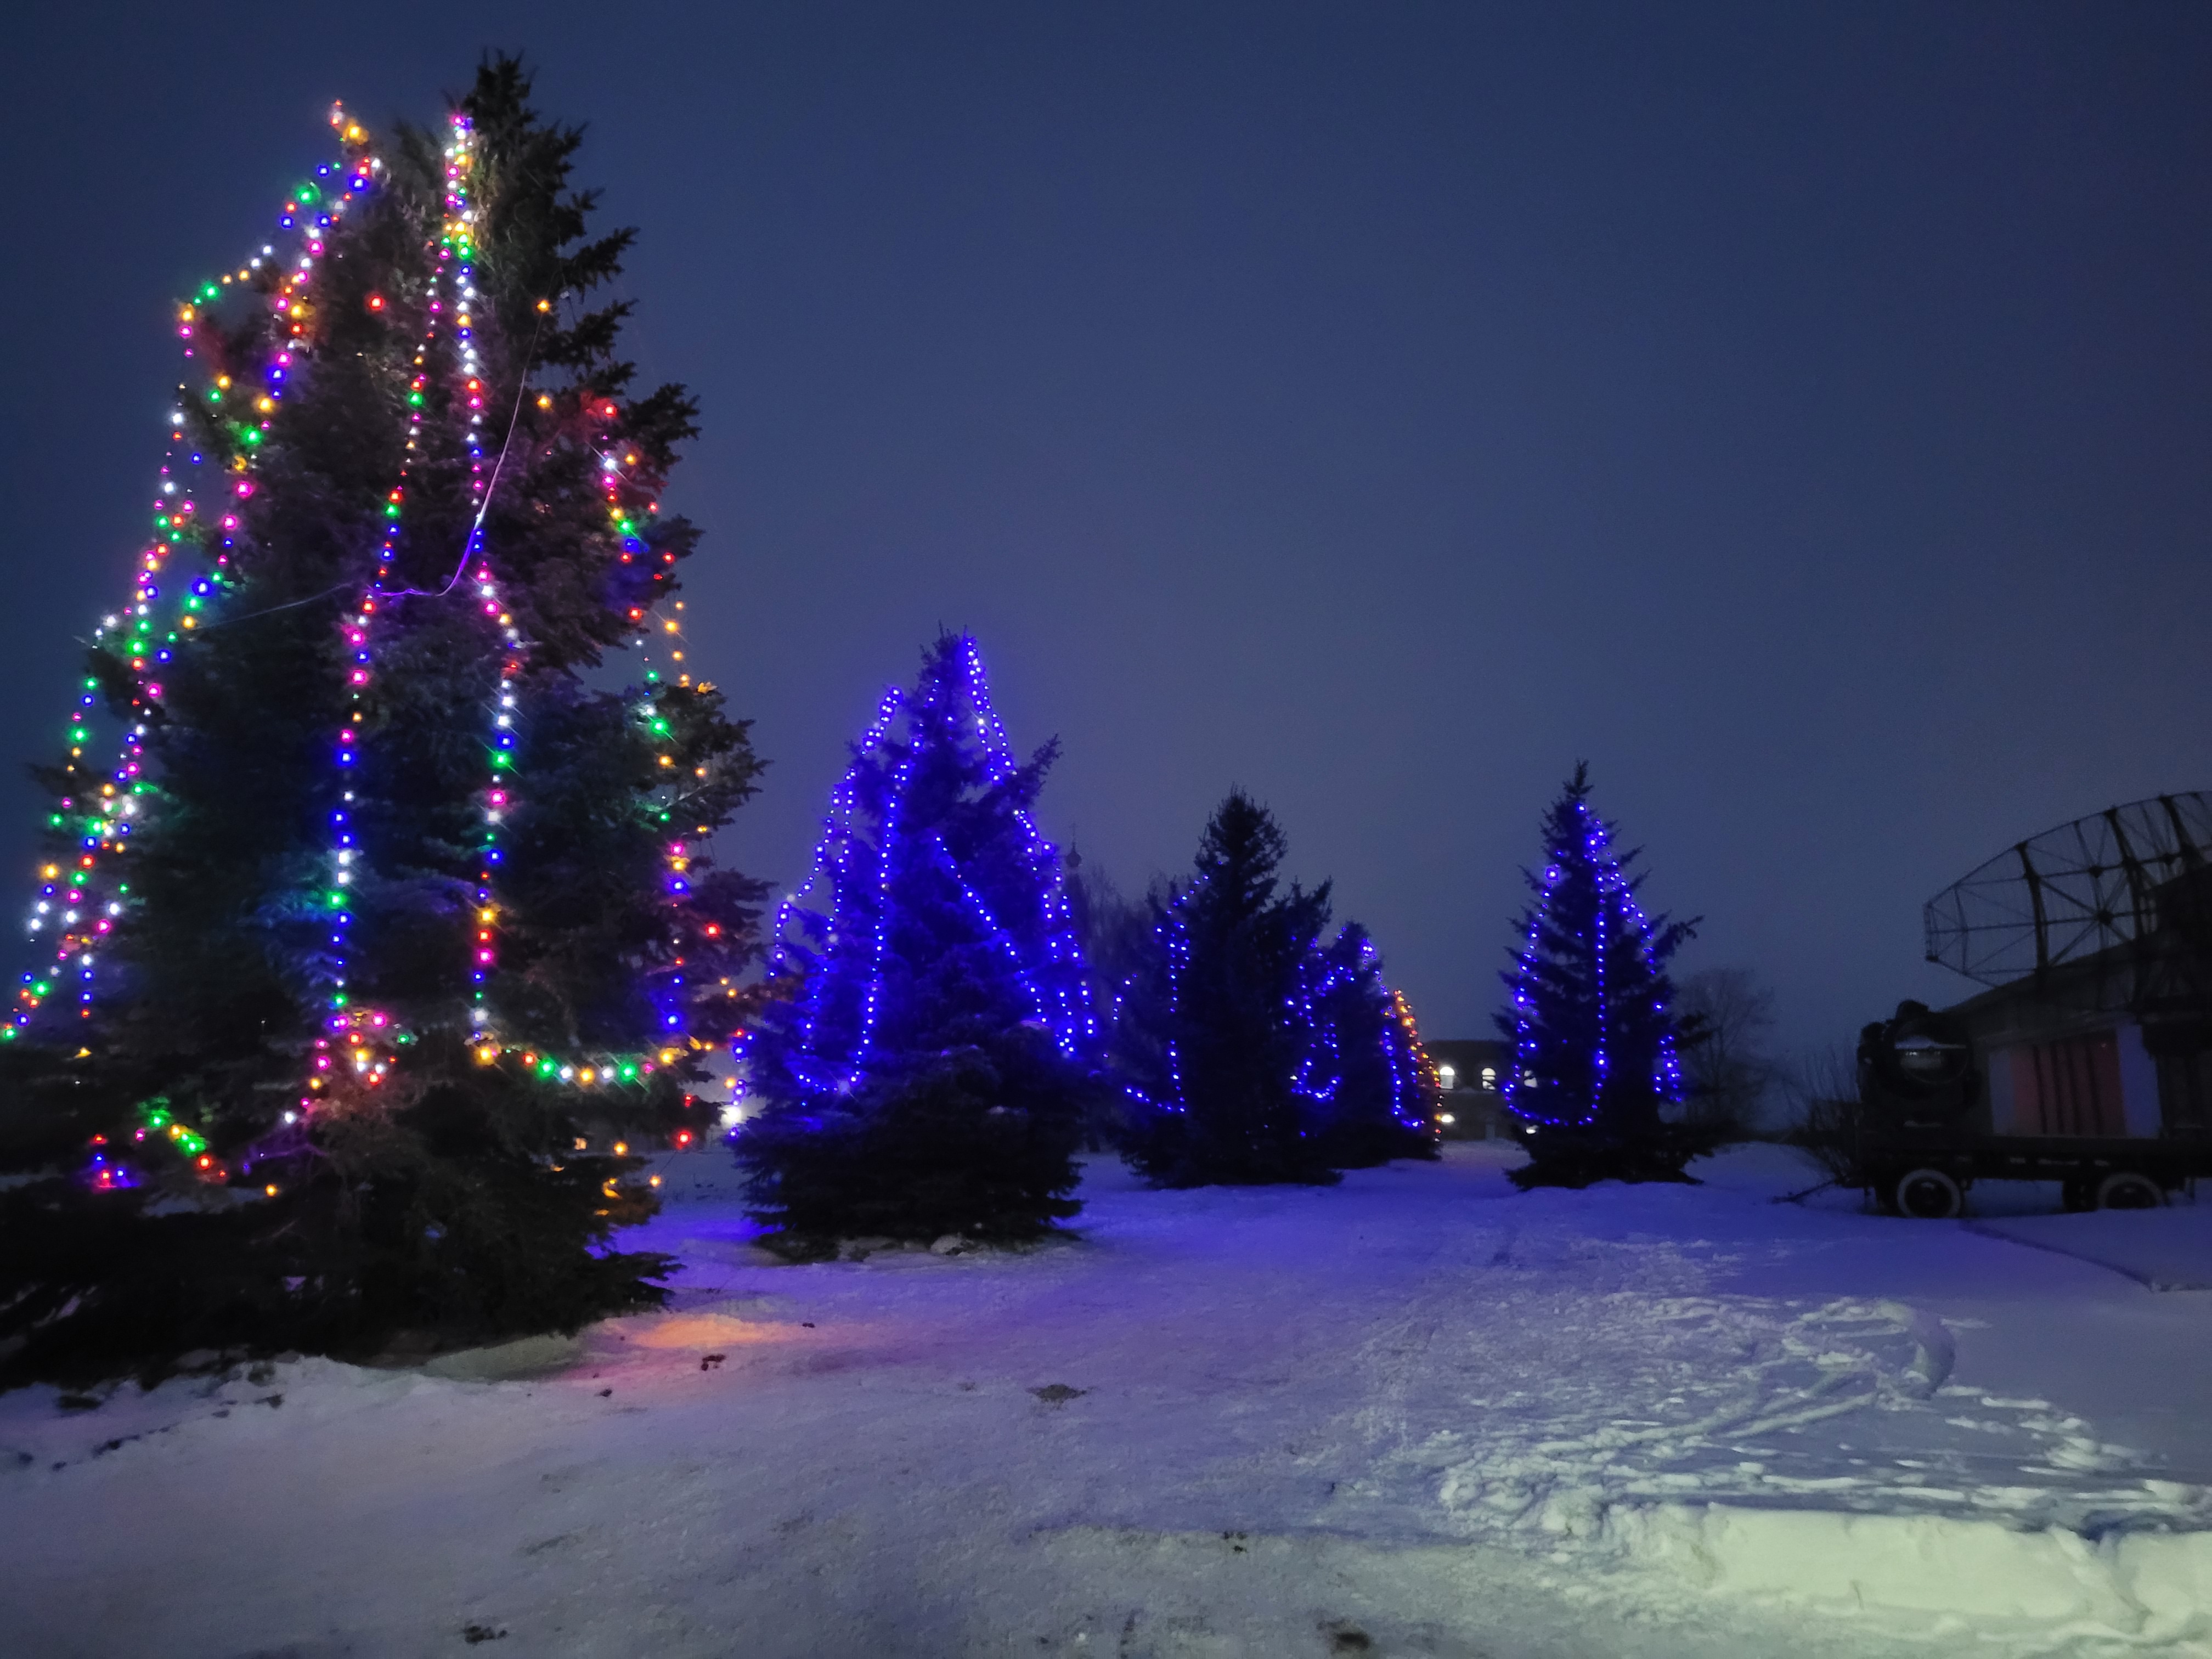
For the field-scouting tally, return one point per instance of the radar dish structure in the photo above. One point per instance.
(2111, 913)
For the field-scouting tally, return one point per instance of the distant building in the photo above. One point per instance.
(1473, 1073)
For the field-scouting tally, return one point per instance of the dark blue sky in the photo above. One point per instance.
(1800, 412)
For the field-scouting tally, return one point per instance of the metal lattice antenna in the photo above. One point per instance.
(2113, 911)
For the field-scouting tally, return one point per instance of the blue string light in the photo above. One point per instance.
(873, 865)
(1617, 922)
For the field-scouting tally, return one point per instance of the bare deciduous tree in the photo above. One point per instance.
(1726, 1015)
(1822, 1089)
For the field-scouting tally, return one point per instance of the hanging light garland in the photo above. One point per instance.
(357, 1043)
(497, 796)
(87, 906)
(1073, 1021)
(841, 992)
(629, 503)
(1414, 1083)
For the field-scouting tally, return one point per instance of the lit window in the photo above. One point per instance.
(1448, 1076)
(1489, 1076)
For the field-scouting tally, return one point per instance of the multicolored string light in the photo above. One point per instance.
(88, 904)
(459, 246)
(355, 1042)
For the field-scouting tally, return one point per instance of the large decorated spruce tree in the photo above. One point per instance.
(926, 1043)
(1589, 1014)
(378, 938)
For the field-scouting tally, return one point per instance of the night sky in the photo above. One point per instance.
(1800, 413)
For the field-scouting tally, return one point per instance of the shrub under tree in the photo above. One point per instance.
(386, 942)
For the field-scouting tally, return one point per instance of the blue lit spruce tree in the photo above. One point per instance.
(1215, 1032)
(385, 943)
(1590, 1016)
(1372, 1091)
(922, 1055)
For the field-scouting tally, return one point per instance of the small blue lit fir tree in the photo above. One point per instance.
(1595, 1038)
(922, 1054)
(1214, 1030)
(1371, 1090)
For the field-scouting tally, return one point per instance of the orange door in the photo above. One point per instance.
(2070, 1087)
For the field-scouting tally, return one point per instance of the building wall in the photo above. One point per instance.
(2059, 1072)
(1477, 1107)
(2139, 1091)
(2184, 1092)
(1997, 1069)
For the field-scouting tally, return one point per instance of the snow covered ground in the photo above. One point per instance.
(1419, 1413)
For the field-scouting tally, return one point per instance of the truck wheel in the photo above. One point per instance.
(2079, 1193)
(2125, 1189)
(1927, 1194)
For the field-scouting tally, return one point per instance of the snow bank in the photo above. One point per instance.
(2137, 1587)
(2166, 1249)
